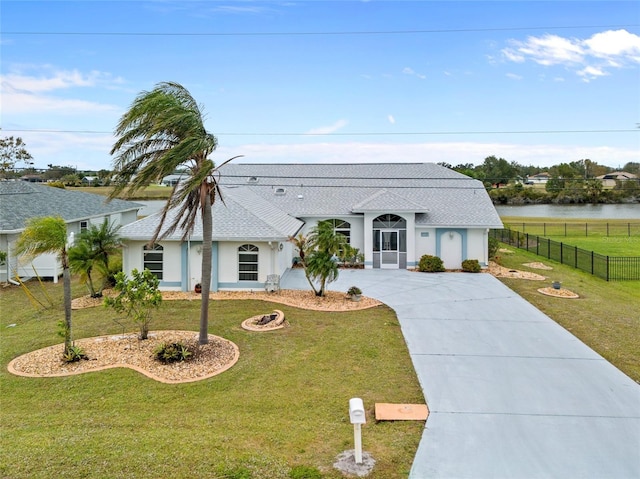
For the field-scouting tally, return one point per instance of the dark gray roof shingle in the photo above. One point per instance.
(20, 201)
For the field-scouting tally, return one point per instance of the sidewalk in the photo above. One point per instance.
(511, 394)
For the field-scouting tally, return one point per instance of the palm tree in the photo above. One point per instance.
(91, 254)
(162, 131)
(49, 235)
(323, 246)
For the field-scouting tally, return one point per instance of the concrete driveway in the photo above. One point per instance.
(511, 394)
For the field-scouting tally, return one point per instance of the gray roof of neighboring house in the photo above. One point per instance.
(21, 200)
(446, 197)
(242, 216)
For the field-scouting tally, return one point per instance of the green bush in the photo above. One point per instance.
(172, 352)
(305, 472)
(73, 354)
(430, 264)
(471, 266)
(494, 244)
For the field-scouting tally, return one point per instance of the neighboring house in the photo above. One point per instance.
(172, 180)
(393, 213)
(90, 180)
(539, 178)
(20, 201)
(609, 180)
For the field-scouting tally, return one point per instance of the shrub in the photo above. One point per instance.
(471, 266)
(494, 244)
(172, 352)
(430, 264)
(305, 472)
(353, 291)
(73, 354)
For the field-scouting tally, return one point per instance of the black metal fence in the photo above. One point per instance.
(577, 228)
(609, 268)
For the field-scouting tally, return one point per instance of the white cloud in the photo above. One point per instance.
(324, 130)
(614, 43)
(513, 76)
(391, 119)
(590, 58)
(410, 71)
(590, 73)
(33, 93)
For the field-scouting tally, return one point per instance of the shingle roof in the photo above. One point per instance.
(321, 190)
(242, 216)
(20, 201)
(265, 201)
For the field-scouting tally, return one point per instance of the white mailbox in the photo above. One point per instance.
(356, 411)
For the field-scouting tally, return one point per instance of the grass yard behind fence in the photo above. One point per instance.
(619, 238)
(284, 404)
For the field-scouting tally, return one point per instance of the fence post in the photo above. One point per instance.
(544, 229)
(548, 248)
(592, 262)
(565, 229)
(607, 268)
(561, 252)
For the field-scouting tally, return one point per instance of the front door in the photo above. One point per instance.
(389, 249)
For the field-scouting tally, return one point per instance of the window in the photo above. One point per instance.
(342, 227)
(248, 262)
(152, 259)
(84, 225)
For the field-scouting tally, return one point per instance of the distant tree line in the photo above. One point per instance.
(574, 182)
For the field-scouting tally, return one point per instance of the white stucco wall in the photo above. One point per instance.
(478, 245)
(425, 244)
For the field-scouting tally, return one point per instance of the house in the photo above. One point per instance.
(538, 178)
(90, 180)
(610, 179)
(393, 213)
(20, 201)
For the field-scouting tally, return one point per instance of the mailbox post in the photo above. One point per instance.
(357, 418)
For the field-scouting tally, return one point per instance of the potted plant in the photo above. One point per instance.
(354, 293)
(198, 288)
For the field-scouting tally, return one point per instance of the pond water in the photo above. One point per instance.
(614, 212)
(624, 211)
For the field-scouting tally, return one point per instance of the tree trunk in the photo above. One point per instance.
(66, 283)
(207, 235)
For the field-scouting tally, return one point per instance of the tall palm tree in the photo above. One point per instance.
(163, 130)
(49, 235)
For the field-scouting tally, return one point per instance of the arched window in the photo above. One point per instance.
(152, 259)
(248, 262)
(343, 227)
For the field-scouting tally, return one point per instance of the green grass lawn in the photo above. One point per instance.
(152, 192)
(607, 237)
(606, 316)
(284, 404)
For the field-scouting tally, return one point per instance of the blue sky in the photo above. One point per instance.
(539, 83)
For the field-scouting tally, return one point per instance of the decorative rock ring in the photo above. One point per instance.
(265, 322)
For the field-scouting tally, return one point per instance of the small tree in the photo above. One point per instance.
(13, 150)
(138, 297)
(323, 246)
(49, 235)
(91, 255)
